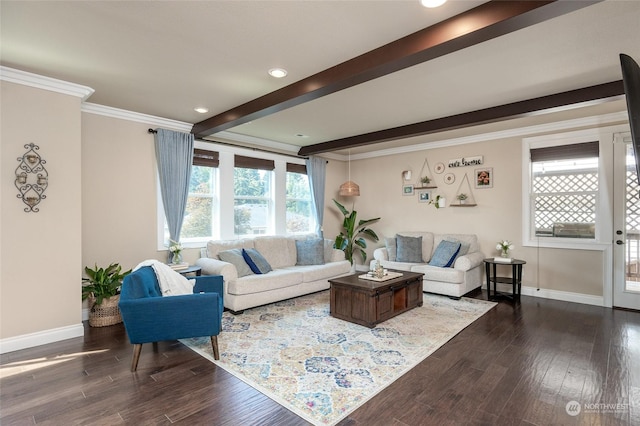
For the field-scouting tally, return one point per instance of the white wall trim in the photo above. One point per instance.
(165, 123)
(564, 296)
(44, 337)
(46, 83)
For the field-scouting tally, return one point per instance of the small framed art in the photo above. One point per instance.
(407, 189)
(424, 196)
(484, 177)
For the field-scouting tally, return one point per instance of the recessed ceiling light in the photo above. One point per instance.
(432, 3)
(300, 135)
(201, 110)
(277, 72)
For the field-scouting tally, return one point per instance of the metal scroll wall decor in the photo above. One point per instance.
(32, 178)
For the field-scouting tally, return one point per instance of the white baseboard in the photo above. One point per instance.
(565, 296)
(30, 340)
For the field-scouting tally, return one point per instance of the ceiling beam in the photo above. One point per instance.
(485, 22)
(551, 103)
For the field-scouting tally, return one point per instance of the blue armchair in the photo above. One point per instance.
(149, 317)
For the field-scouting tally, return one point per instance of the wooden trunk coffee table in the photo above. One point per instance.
(368, 302)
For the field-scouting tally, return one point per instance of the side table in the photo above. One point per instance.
(193, 269)
(515, 279)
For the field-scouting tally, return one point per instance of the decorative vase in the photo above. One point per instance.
(177, 258)
(504, 253)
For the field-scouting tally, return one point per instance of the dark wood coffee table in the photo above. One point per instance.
(369, 303)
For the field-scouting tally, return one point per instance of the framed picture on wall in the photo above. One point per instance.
(484, 177)
(424, 196)
(407, 189)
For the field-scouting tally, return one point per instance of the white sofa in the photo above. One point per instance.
(285, 281)
(464, 275)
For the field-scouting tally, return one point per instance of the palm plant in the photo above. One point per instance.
(349, 240)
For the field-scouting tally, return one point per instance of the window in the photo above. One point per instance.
(300, 218)
(253, 211)
(565, 190)
(200, 219)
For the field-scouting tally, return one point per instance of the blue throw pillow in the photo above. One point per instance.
(445, 254)
(256, 261)
(409, 249)
(310, 252)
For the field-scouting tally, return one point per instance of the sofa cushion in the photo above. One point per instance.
(312, 273)
(392, 249)
(445, 254)
(310, 252)
(279, 251)
(215, 247)
(409, 249)
(278, 278)
(436, 273)
(234, 256)
(256, 261)
(464, 248)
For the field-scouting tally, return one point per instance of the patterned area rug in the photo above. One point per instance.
(323, 368)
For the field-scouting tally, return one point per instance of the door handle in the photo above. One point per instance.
(619, 242)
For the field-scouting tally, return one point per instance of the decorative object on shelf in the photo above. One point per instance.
(464, 196)
(406, 175)
(103, 292)
(439, 168)
(407, 189)
(349, 188)
(425, 180)
(175, 249)
(438, 202)
(503, 247)
(349, 240)
(484, 177)
(424, 196)
(32, 178)
(449, 178)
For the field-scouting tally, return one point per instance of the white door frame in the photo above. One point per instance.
(621, 297)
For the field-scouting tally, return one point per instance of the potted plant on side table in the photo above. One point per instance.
(103, 292)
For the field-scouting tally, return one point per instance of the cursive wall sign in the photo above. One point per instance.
(466, 161)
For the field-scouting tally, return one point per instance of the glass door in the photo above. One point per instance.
(626, 238)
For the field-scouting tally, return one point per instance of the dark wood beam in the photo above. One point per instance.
(485, 22)
(564, 100)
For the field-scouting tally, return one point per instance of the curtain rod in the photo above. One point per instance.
(152, 131)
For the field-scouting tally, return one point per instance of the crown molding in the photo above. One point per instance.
(122, 114)
(45, 83)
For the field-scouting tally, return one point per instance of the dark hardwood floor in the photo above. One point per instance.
(517, 365)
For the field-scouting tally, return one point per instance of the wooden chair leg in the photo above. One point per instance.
(214, 344)
(137, 348)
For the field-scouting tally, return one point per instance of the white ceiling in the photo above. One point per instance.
(164, 58)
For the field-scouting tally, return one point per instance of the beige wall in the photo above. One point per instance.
(497, 216)
(119, 195)
(40, 270)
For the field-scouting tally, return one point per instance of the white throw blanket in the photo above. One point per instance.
(171, 283)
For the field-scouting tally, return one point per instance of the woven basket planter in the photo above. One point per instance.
(107, 313)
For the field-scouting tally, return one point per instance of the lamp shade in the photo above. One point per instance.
(349, 189)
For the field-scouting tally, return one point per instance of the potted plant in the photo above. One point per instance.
(352, 239)
(462, 197)
(425, 180)
(103, 291)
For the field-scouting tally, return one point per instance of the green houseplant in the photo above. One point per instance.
(103, 291)
(352, 239)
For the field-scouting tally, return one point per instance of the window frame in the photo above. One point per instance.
(602, 210)
(225, 192)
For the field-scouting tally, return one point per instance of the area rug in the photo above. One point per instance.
(323, 368)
